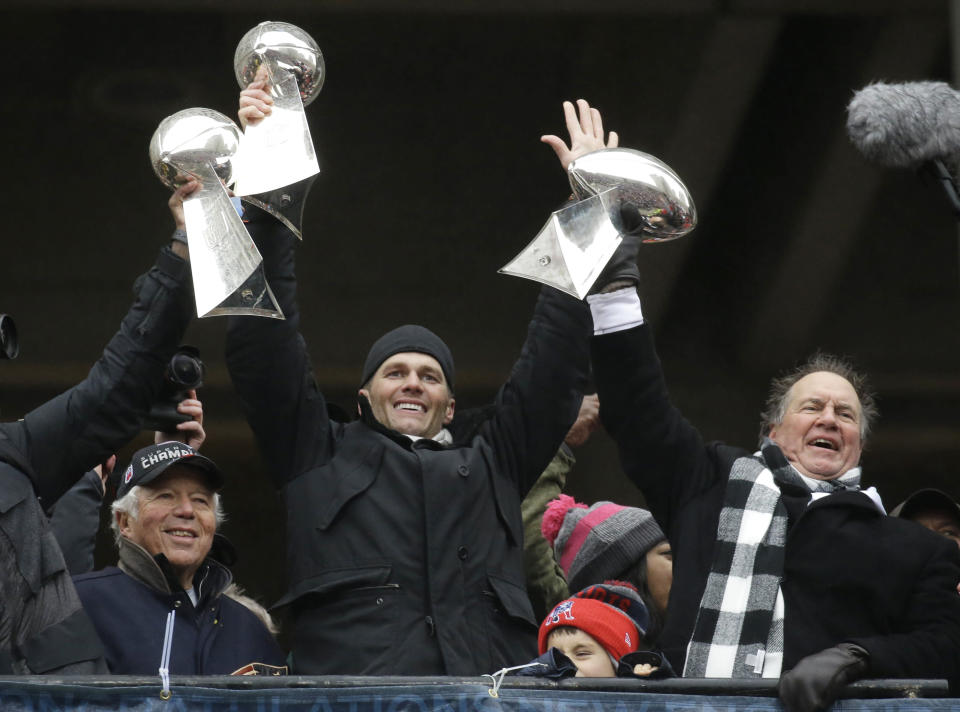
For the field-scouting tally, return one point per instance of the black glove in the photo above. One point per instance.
(816, 680)
(621, 271)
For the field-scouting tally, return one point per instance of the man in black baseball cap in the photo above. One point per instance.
(150, 462)
(934, 509)
(164, 520)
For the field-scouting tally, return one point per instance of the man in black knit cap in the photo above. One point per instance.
(404, 534)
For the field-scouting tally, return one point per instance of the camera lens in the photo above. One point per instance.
(186, 370)
(9, 343)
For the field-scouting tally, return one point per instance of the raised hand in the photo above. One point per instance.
(586, 133)
(255, 101)
(191, 432)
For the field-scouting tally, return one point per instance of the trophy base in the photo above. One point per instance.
(285, 204)
(572, 248)
(253, 298)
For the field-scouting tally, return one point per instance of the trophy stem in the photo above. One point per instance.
(227, 267)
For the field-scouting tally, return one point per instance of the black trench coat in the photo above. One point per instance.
(403, 557)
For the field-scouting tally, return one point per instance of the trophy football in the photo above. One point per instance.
(277, 162)
(227, 268)
(619, 191)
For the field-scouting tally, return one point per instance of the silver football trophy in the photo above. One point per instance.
(619, 191)
(277, 162)
(227, 268)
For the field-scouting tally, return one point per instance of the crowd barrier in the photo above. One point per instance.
(412, 694)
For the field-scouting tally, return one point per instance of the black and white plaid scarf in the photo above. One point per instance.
(739, 628)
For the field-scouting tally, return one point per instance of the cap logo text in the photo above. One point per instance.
(164, 455)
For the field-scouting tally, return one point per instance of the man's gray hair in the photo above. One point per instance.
(130, 505)
(779, 396)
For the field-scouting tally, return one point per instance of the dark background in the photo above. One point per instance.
(428, 133)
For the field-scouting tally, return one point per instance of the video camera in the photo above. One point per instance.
(9, 343)
(184, 372)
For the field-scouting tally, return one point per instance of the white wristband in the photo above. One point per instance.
(615, 311)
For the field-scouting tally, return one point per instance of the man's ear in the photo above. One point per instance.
(123, 523)
(366, 394)
(448, 416)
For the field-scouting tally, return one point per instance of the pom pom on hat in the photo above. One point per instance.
(553, 517)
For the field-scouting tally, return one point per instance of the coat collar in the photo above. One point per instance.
(12, 455)
(155, 571)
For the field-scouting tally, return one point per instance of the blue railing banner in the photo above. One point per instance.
(39, 695)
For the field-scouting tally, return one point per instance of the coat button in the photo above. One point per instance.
(462, 553)
(464, 471)
(176, 604)
(379, 601)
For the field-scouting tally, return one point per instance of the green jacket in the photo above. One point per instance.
(546, 584)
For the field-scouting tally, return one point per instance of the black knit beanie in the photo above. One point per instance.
(409, 337)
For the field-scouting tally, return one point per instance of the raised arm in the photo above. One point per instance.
(538, 404)
(83, 426)
(267, 358)
(75, 519)
(659, 449)
(270, 367)
(546, 584)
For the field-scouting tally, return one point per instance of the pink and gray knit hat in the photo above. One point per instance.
(599, 542)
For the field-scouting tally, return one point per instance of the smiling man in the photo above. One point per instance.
(819, 428)
(408, 381)
(783, 566)
(168, 592)
(404, 534)
(405, 541)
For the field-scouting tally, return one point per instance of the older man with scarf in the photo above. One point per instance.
(783, 566)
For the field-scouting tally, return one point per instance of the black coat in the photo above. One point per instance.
(403, 557)
(850, 573)
(42, 455)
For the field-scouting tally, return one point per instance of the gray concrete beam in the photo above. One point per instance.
(814, 255)
(718, 98)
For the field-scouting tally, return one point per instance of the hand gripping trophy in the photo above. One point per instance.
(277, 162)
(619, 191)
(227, 268)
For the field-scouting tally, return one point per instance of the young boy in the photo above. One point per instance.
(600, 630)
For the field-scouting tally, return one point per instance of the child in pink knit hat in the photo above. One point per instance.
(609, 541)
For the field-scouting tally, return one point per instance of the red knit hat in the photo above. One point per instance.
(609, 625)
